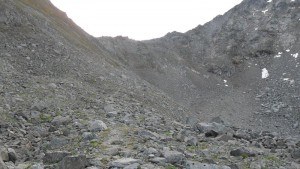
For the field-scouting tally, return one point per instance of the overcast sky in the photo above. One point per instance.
(141, 19)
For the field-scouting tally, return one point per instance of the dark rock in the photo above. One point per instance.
(12, 155)
(211, 133)
(55, 156)
(73, 162)
(296, 154)
(58, 142)
(88, 136)
(242, 152)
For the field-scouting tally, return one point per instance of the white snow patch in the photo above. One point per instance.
(287, 50)
(269, 1)
(292, 81)
(264, 74)
(278, 55)
(292, 0)
(256, 29)
(295, 55)
(195, 71)
(265, 11)
(226, 85)
(225, 81)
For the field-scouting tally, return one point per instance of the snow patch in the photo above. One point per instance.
(278, 55)
(287, 50)
(256, 29)
(269, 1)
(295, 55)
(225, 81)
(264, 74)
(265, 11)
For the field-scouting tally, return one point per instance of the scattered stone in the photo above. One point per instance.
(173, 157)
(54, 156)
(2, 164)
(198, 165)
(296, 154)
(133, 166)
(97, 125)
(73, 162)
(59, 120)
(58, 142)
(242, 152)
(121, 163)
(88, 136)
(12, 155)
(211, 133)
(4, 154)
(158, 160)
(38, 166)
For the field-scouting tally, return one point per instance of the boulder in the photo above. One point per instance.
(2, 164)
(4, 154)
(54, 156)
(73, 162)
(121, 163)
(12, 155)
(242, 152)
(173, 157)
(59, 120)
(97, 125)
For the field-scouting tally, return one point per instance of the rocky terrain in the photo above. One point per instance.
(224, 95)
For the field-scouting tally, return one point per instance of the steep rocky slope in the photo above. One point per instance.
(216, 69)
(71, 101)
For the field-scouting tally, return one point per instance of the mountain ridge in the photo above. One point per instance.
(71, 101)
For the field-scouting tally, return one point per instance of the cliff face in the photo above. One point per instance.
(216, 69)
(72, 101)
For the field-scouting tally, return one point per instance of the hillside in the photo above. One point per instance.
(187, 100)
(216, 68)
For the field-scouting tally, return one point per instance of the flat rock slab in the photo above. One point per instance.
(123, 162)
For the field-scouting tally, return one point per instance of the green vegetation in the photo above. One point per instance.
(170, 166)
(45, 118)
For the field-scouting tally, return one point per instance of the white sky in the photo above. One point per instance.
(142, 19)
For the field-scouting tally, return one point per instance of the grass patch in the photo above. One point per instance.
(45, 118)
(170, 166)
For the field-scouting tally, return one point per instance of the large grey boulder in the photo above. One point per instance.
(173, 157)
(73, 162)
(54, 156)
(97, 125)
